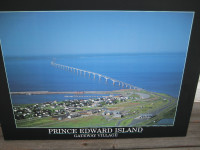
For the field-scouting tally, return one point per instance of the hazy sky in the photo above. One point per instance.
(83, 32)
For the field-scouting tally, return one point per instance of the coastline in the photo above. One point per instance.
(66, 92)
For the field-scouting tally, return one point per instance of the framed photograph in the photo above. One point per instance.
(82, 70)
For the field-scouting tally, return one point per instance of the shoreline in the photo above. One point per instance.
(67, 92)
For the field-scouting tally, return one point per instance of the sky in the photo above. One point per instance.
(94, 32)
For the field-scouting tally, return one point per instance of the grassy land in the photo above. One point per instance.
(35, 122)
(126, 122)
(132, 107)
(90, 121)
(168, 113)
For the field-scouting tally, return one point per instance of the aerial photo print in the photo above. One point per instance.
(87, 69)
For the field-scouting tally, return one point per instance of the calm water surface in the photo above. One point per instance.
(154, 72)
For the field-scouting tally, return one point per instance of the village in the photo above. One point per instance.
(70, 108)
(119, 108)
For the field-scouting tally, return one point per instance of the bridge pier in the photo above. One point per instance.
(99, 77)
(122, 84)
(126, 85)
(94, 75)
(106, 79)
(113, 82)
(84, 73)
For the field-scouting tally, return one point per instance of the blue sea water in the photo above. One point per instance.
(154, 72)
(165, 122)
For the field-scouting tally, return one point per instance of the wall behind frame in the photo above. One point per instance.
(197, 96)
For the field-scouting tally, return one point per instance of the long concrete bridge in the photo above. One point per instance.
(94, 74)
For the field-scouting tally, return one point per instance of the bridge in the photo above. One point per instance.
(94, 74)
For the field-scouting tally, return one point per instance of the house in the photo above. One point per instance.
(117, 116)
(145, 116)
(61, 117)
(89, 112)
(94, 111)
(83, 113)
(107, 113)
(75, 115)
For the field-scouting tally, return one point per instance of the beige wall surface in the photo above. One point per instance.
(197, 97)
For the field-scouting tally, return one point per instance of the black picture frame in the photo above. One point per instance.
(189, 82)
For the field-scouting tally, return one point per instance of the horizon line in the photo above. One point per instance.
(79, 54)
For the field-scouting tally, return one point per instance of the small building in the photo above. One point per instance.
(61, 117)
(145, 116)
(107, 112)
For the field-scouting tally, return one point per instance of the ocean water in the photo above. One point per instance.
(154, 72)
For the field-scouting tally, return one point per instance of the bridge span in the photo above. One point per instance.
(94, 74)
